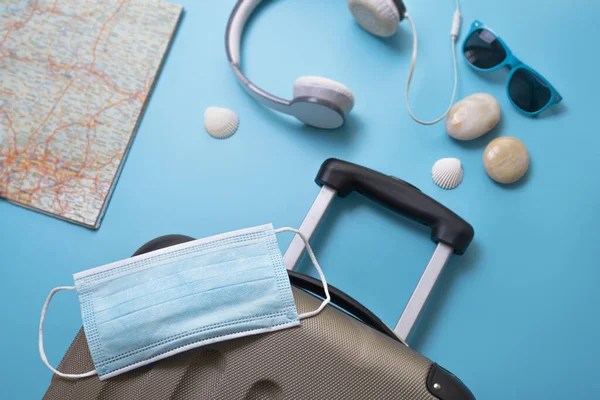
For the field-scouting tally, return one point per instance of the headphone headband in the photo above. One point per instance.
(323, 106)
(233, 38)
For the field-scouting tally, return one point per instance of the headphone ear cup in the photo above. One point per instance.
(379, 17)
(324, 89)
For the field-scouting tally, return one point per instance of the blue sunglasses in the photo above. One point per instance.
(528, 91)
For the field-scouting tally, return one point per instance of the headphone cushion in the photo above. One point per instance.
(379, 17)
(325, 89)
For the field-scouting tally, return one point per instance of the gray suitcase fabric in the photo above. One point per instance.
(331, 356)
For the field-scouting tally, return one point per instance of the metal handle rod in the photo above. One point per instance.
(424, 288)
(309, 226)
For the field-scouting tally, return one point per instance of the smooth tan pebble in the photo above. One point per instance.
(506, 159)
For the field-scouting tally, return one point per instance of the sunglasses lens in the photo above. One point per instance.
(528, 91)
(484, 50)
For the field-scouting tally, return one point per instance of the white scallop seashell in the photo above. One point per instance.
(220, 123)
(447, 173)
(473, 116)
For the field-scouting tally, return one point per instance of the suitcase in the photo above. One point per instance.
(345, 352)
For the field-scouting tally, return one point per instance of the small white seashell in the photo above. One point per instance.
(473, 116)
(220, 123)
(447, 173)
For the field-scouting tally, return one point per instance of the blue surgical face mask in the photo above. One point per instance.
(153, 306)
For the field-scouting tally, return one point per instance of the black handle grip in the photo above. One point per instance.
(399, 196)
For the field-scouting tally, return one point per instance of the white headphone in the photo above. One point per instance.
(322, 102)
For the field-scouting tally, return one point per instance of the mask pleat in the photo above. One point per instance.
(184, 277)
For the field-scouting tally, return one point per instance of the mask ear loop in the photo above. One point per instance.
(41, 338)
(311, 254)
(456, 20)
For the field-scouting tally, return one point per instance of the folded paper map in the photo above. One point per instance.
(75, 76)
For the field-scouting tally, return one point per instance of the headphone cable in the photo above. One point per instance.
(456, 21)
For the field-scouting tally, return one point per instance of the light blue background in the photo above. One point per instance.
(515, 318)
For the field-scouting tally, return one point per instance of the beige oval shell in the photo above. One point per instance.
(506, 159)
(473, 116)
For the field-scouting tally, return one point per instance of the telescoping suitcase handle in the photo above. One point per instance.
(451, 233)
